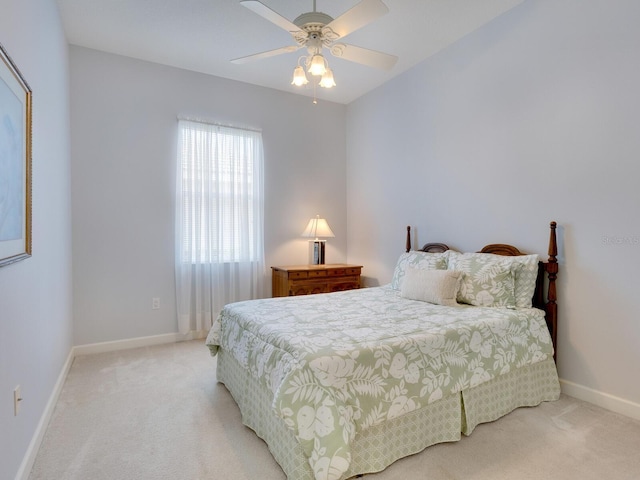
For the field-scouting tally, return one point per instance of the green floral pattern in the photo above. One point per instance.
(526, 273)
(487, 280)
(418, 260)
(333, 366)
(480, 266)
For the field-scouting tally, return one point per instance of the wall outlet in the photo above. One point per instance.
(17, 399)
(155, 303)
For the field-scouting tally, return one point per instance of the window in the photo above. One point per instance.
(221, 193)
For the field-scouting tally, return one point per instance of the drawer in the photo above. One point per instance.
(309, 281)
(341, 286)
(337, 272)
(353, 271)
(308, 289)
(294, 275)
(317, 273)
(344, 279)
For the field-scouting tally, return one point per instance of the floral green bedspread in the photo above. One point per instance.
(342, 362)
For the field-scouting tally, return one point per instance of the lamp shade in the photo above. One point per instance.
(299, 78)
(317, 227)
(316, 66)
(327, 79)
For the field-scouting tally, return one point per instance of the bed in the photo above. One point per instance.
(345, 383)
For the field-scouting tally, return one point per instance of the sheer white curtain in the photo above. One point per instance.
(219, 221)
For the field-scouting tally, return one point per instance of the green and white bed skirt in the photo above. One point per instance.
(379, 446)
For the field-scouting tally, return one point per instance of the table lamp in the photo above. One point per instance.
(316, 228)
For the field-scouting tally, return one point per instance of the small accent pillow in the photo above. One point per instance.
(433, 286)
(487, 281)
(419, 260)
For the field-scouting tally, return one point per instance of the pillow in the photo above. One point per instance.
(419, 260)
(487, 280)
(526, 273)
(433, 286)
(524, 269)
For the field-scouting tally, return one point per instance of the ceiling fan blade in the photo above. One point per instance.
(265, 12)
(364, 56)
(270, 53)
(357, 17)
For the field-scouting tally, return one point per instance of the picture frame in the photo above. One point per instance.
(15, 163)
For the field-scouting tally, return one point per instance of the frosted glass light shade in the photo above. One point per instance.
(299, 77)
(327, 80)
(317, 67)
(317, 227)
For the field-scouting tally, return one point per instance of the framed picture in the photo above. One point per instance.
(15, 163)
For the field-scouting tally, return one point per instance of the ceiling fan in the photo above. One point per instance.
(315, 31)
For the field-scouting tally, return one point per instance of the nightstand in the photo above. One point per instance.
(307, 279)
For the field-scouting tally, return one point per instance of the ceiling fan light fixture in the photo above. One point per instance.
(316, 65)
(327, 80)
(299, 77)
(316, 31)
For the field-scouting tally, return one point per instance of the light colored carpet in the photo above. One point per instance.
(157, 413)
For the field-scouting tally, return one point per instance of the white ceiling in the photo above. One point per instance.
(204, 35)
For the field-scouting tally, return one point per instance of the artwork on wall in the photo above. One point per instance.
(15, 163)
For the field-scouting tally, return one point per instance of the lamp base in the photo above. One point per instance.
(317, 252)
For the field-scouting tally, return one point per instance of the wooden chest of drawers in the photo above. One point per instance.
(307, 279)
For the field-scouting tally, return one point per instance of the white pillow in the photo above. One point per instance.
(433, 286)
(419, 260)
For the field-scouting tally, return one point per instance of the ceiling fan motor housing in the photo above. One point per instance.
(312, 21)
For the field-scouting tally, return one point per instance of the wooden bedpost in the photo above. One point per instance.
(408, 244)
(551, 268)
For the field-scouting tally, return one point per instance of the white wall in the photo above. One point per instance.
(124, 133)
(532, 118)
(35, 294)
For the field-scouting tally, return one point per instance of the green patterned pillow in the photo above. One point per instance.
(419, 260)
(487, 281)
(526, 273)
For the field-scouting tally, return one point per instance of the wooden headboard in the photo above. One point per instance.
(548, 270)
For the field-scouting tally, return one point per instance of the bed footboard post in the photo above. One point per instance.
(408, 243)
(551, 306)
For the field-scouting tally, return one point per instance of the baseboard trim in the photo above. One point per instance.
(36, 440)
(125, 344)
(601, 399)
(136, 342)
